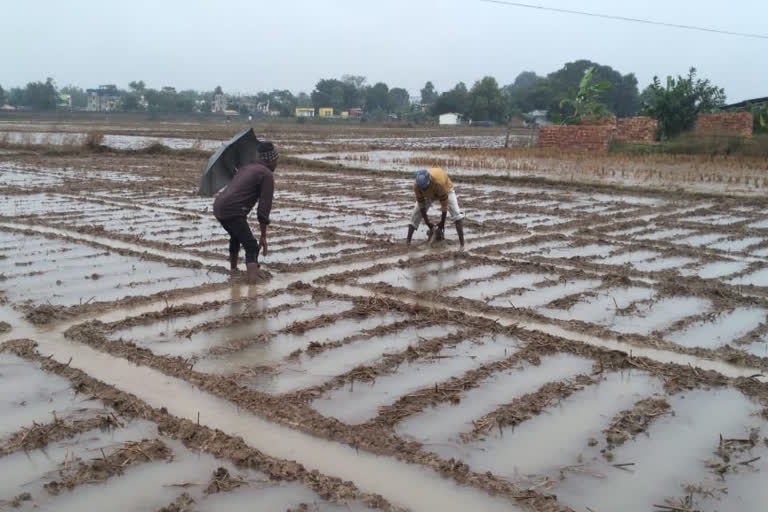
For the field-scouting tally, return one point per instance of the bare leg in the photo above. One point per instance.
(460, 232)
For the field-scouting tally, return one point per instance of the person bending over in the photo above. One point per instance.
(253, 183)
(434, 185)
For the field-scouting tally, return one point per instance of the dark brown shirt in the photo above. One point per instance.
(253, 183)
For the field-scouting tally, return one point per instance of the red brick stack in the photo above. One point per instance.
(732, 123)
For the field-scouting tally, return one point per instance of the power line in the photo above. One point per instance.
(624, 18)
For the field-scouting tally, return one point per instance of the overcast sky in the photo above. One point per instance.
(253, 45)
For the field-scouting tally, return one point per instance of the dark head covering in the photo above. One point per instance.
(267, 152)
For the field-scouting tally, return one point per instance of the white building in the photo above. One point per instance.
(103, 99)
(219, 103)
(450, 118)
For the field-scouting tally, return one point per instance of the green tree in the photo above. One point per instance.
(78, 95)
(622, 98)
(585, 101)
(303, 100)
(329, 92)
(283, 101)
(429, 94)
(218, 90)
(456, 100)
(16, 96)
(40, 95)
(3, 96)
(677, 104)
(486, 102)
(377, 98)
(399, 99)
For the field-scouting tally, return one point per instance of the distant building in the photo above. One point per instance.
(540, 117)
(219, 104)
(345, 114)
(264, 109)
(451, 118)
(355, 113)
(305, 112)
(325, 112)
(103, 99)
(64, 101)
(7, 108)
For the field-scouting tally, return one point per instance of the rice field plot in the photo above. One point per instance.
(64, 447)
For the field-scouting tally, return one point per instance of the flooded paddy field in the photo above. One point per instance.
(590, 349)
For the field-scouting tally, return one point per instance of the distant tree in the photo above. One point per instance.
(486, 101)
(3, 96)
(429, 94)
(16, 96)
(303, 100)
(40, 95)
(329, 92)
(377, 98)
(186, 101)
(218, 90)
(456, 100)
(77, 94)
(138, 86)
(525, 80)
(622, 98)
(585, 101)
(357, 81)
(399, 99)
(282, 100)
(677, 104)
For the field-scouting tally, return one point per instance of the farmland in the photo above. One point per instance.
(598, 345)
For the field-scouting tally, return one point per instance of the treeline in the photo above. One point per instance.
(562, 94)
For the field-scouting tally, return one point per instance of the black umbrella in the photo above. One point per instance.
(222, 166)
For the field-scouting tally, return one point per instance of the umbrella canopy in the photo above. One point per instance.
(222, 166)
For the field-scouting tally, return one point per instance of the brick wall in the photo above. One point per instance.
(637, 129)
(734, 123)
(576, 137)
(598, 120)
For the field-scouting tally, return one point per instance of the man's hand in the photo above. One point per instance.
(263, 244)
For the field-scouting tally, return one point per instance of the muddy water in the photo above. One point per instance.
(28, 471)
(165, 330)
(311, 370)
(359, 402)
(406, 484)
(738, 245)
(482, 290)
(442, 425)
(586, 251)
(672, 455)
(719, 330)
(603, 308)
(758, 278)
(202, 341)
(660, 315)
(626, 258)
(543, 247)
(716, 269)
(555, 438)
(660, 264)
(665, 234)
(540, 296)
(27, 395)
(283, 344)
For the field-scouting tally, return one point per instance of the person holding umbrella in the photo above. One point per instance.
(252, 183)
(435, 185)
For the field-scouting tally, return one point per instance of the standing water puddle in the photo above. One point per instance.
(482, 290)
(603, 308)
(719, 330)
(660, 315)
(556, 437)
(360, 402)
(545, 295)
(431, 279)
(442, 424)
(311, 370)
(672, 455)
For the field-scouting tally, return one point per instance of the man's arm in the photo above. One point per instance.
(265, 208)
(263, 238)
